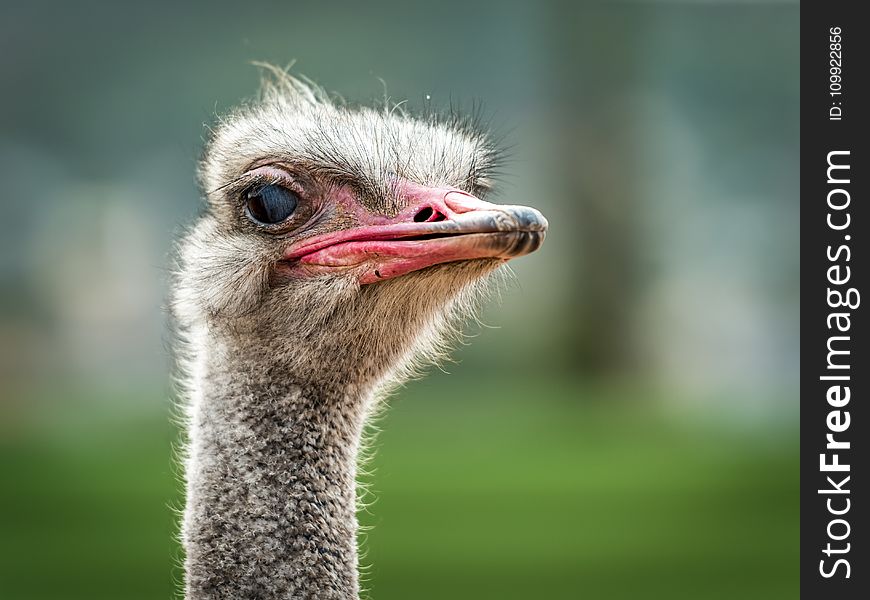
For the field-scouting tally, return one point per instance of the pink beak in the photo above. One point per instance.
(440, 226)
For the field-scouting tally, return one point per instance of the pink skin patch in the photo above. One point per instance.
(439, 226)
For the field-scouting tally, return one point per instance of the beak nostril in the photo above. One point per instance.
(423, 215)
(429, 215)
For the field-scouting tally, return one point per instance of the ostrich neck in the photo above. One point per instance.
(271, 484)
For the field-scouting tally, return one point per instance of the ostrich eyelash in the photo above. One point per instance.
(248, 182)
(230, 184)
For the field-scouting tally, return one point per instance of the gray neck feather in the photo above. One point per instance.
(271, 484)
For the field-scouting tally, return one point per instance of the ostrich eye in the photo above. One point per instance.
(271, 204)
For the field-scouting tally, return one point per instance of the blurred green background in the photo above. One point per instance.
(628, 429)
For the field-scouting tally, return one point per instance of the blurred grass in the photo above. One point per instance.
(496, 488)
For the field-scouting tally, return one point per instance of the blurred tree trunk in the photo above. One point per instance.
(595, 57)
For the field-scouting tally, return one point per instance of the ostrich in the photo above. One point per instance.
(338, 248)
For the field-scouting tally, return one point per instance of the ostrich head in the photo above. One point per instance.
(339, 243)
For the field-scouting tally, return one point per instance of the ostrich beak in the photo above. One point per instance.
(439, 226)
